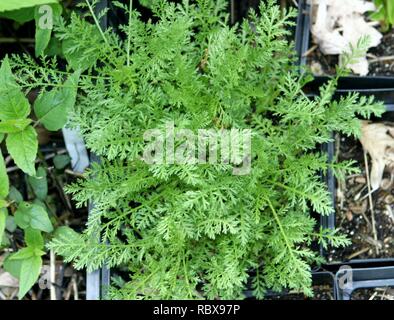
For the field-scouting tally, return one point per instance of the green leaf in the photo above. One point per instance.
(13, 103)
(61, 161)
(15, 195)
(22, 254)
(23, 147)
(39, 183)
(3, 203)
(33, 215)
(10, 224)
(22, 215)
(3, 220)
(34, 239)
(40, 219)
(12, 266)
(14, 126)
(29, 274)
(9, 5)
(2, 135)
(21, 15)
(4, 181)
(52, 108)
(44, 28)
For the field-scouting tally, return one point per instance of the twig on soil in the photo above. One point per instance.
(310, 50)
(356, 254)
(375, 235)
(381, 59)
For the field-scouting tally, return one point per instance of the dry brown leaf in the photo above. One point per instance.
(377, 140)
(7, 280)
(338, 25)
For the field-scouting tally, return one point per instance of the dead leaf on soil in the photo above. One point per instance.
(337, 25)
(377, 140)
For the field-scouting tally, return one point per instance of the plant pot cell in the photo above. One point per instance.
(383, 293)
(371, 231)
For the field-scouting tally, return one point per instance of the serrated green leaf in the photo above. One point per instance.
(40, 219)
(33, 238)
(4, 181)
(39, 183)
(19, 4)
(52, 108)
(23, 147)
(44, 30)
(22, 254)
(10, 224)
(3, 220)
(61, 161)
(15, 195)
(33, 215)
(13, 103)
(14, 126)
(12, 266)
(29, 274)
(22, 215)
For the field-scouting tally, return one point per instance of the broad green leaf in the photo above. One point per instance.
(22, 215)
(40, 219)
(3, 203)
(29, 274)
(22, 254)
(10, 224)
(39, 183)
(61, 161)
(34, 239)
(23, 147)
(33, 215)
(4, 181)
(14, 126)
(65, 232)
(15, 195)
(52, 108)
(3, 219)
(20, 15)
(12, 266)
(2, 135)
(13, 103)
(8, 5)
(45, 18)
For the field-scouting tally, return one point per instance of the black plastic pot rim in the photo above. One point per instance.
(362, 278)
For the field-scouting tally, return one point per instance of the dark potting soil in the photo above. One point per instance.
(321, 292)
(386, 293)
(353, 213)
(380, 64)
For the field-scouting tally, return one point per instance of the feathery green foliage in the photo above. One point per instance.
(197, 231)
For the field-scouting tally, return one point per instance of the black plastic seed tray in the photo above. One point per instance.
(381, 87)
(348, 280)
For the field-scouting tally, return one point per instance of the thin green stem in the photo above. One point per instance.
(129, 33)
(97, 22)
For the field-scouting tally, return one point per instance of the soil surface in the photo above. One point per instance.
(386, 293)
(321, 292)
(353, 214)
(380, 65)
